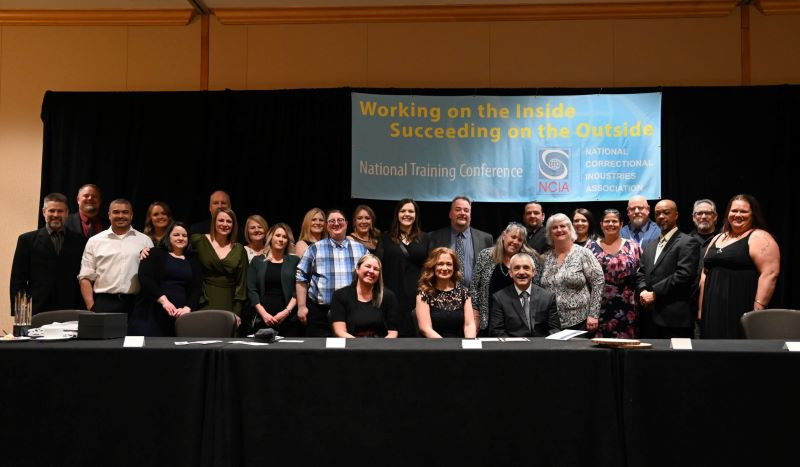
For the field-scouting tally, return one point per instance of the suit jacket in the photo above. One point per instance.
(50, 279)
(480, 240)
(507, 317)
(73, 224)
(673, 278)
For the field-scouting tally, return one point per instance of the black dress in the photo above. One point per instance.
(730, 289)
(362, 318)
(274, 301)
(400, 275)
(447, 310)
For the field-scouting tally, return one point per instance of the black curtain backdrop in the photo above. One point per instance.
(279, 153)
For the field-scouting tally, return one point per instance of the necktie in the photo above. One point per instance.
(460, 248)
(58, 240)
(525, 297)
(637, 235)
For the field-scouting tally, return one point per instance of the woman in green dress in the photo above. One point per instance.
(224, 264)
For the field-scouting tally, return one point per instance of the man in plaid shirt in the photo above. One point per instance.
(326, 266)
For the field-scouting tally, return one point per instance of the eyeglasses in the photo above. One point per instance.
(336, 221)
(704, 213)
(638, 208)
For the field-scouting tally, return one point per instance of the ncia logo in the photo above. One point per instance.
(554, 163)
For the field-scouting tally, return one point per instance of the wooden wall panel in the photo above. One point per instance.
(164, 58)
(775, 48)
(227, 61)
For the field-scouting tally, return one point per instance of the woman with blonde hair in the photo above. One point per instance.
(255, 234)
(365, 308)
(311, 231)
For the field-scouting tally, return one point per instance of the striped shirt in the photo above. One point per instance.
(327, 266)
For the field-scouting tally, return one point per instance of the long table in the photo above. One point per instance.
(401, 402)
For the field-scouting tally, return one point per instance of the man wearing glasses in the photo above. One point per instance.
(326, 266)
(640, 228)
(704, 216)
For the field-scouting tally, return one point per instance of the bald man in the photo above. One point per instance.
(218, 199)
(640, 228)
(667, 278)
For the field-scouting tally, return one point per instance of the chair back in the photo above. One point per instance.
(415, 332)
(771, 324)
(46, 317)
(206, 323)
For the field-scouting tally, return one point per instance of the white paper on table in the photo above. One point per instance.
(335, 342)
(65, 326)
(515, 339)
(489, 339)
(471, 344)
(133, 341)
(680, 343)
(248, 343)
(792, 346)
(565, 335)
(291, 341)
(197, 342)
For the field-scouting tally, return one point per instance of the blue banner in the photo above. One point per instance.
(603, 147)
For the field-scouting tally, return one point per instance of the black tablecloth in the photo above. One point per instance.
(402, 402)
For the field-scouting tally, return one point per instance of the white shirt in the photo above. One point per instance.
(111, 261)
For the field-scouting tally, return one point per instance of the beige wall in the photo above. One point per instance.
(591, 53)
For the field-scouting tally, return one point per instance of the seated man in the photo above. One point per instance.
(523, 309)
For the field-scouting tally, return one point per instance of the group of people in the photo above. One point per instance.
(642, 279)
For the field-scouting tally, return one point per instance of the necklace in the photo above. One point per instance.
(362, 239)
(503, 269)
(727, 236)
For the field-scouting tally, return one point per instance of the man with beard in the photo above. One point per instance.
(110, 264)
(640, 228)
(533, 218)
(87, 221)
(523, 309)
(460, 237)
(704, 216)
(47, 260)
(667, 278)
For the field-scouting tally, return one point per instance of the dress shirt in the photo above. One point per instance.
(327, 266)
(648, 233)
(91, 226)
(111, 261)
(662, 242)
(469, 253)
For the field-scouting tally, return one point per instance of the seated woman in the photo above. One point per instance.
(224, 264)
(364, 231)
(312, 230)
(271, 287)
(444, 308)
(157, 219)
(171, 281)
(364, 308)
(255, 233)
(491, 272)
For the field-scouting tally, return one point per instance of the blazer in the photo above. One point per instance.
(480, 240)
(73, 223)
(673, 278)
(507, 319)
(256, 278)
(50, 279)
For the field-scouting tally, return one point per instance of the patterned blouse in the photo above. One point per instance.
(577, 283)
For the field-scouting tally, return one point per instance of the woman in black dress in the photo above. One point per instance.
(403, 250)
(444, 308)
(171, 282)
(740, 269)
(365, 308)
(271, 286)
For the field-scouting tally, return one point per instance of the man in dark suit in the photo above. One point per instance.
(523, 309)
(667, 278)
(47, 261)
(87, 221)
(460, 237)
